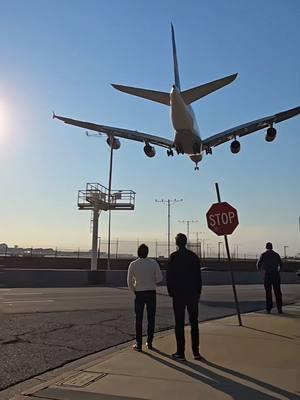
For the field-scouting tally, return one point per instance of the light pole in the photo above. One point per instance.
(203, 247)
(169, 203)
(284, 249)
(219, 246)
(197, 242)
(188, 222)
(111, 144)
(236, 251)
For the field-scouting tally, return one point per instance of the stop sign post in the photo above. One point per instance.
(222, 219)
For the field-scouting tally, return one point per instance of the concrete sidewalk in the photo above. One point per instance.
(259, 361)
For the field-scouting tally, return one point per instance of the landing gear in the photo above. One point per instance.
(196, 167)
(208, 150)
(170, 153)
(179, 149)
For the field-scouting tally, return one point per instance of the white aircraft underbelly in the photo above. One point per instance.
(186, 140)
(184, 124)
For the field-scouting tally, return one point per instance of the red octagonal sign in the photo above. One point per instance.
(222, 218)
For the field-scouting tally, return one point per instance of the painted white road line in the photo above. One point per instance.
(27, 301)
(23, 294)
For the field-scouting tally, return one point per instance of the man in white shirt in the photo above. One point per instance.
(142, 277)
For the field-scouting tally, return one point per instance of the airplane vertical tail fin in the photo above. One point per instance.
(176, 72)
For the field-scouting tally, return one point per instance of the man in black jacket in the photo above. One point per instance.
(271, 263)
(184, 286)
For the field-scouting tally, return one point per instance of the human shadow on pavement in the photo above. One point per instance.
(221, 383)
(269, 333)
(240, 375)
(245, 305)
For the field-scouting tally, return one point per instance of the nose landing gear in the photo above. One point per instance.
(196, 167)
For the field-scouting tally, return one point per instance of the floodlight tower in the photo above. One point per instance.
(97, 198)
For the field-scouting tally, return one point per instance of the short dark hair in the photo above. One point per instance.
(143, 250)
(181, 240)
(269, 246)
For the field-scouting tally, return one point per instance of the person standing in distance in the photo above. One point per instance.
(184, 285)
(271, 263)
(142, 277)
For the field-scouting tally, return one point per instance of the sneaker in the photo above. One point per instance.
(198, 357)
(136, 347)
(178, 357)
(149, 345)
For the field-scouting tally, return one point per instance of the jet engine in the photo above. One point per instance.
(149, 150)
(271, 134)
(115, 143)
(235, 146)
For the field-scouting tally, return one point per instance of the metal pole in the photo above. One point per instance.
(94, 239)
(187, 222)
(111, 139)
(169, 224)
(169, 203)
(117, 248)
(231, 271)
(99, 246)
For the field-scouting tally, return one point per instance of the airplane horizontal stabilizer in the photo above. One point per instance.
(196, 93)
(158, 97)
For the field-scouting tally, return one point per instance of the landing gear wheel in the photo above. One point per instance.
(179, 149)
(196, 168)
(170, 153)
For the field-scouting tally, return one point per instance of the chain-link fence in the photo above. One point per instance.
(122, 249)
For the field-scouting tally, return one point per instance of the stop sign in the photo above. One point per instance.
(222, 218)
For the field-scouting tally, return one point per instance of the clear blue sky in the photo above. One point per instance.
(63, 55)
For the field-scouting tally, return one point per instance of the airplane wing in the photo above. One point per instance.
(118, 132)
(246, 129)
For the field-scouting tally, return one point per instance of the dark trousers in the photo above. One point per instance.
(179, 306)
(142, 298)
(273, 279)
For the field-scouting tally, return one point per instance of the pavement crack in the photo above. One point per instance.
(116, 328)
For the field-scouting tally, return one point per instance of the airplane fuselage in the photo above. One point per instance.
(187, 136)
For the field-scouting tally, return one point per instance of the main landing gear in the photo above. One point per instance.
(179, 149)
(170, 153)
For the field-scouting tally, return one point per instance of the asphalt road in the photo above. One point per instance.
(42, 329)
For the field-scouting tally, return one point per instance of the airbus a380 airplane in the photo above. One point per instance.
(187, 139)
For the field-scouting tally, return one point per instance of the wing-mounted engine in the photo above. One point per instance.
(114, 143)
(149, 150)
(271, 134)
(235, 146)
